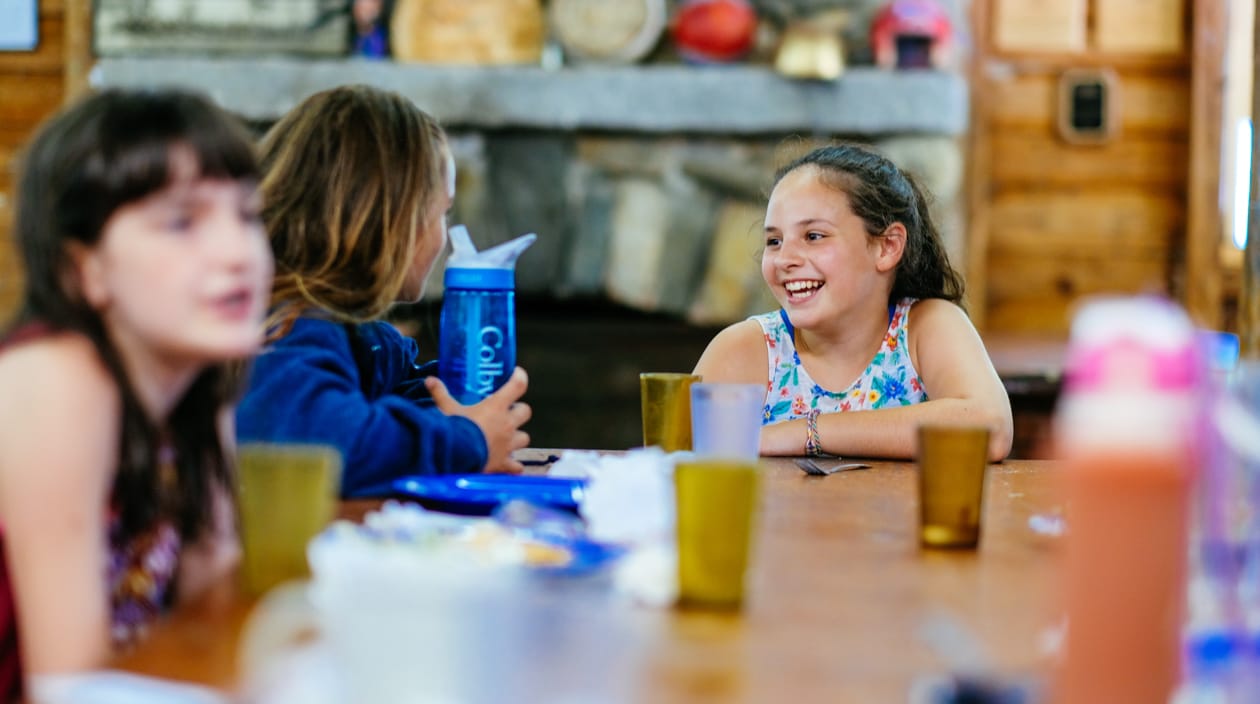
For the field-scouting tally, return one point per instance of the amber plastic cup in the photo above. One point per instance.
(286, 494)
(952, 464)
(666, 400)
(716, 507)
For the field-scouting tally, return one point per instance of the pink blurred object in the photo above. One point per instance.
(714, 31)
(1122, 344)
(1129, 430)
(912, 34)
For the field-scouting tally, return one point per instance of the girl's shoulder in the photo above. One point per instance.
(58, 408)
(935, 311)
(736, 353)
(746, 334)
(52, 362)
(936, 325)
(54, 385)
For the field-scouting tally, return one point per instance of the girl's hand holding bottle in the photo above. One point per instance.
(500, 417)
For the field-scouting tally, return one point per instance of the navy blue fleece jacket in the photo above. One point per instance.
(358, 388)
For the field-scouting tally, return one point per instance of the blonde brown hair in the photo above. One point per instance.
(348, 176)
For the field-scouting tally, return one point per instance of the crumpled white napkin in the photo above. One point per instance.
(629, 500)
(649, 574)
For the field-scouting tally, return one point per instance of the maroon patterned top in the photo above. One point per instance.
(138, 577)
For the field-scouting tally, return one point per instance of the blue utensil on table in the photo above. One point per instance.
(480, 494)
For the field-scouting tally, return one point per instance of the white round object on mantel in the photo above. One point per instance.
(618, 31)
(467, 32)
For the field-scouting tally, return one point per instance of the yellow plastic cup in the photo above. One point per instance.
(716, 507)
(286, 494)
(666, 400)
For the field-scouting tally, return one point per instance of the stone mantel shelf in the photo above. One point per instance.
(653, 99)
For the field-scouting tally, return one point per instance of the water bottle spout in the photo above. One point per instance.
(461, 243)
(502, 256)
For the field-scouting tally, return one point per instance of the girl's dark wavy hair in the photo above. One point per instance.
(108, 150)
(881, 194)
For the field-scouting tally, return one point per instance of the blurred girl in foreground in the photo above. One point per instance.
(146, 271)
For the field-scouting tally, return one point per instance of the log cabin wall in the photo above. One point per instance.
(1052, 220)
(33, 85)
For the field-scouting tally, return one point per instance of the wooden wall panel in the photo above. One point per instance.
(1037, 294)
(1149, 103)
(1156, 26)
(47, 57)
(1205, 229)
(9, 149)
(1128, 222)
(1033, 317)
(33, 87)
(1058, 221)
(10, 274)
(28, 99)
(1031, 278)
(1027, 160)
(1038, 25)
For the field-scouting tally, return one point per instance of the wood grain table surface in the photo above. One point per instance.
(838, 596)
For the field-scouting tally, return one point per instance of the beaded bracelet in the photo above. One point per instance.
(813, 444)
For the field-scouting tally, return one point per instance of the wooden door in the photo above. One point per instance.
(33, 85)
(1055, 217)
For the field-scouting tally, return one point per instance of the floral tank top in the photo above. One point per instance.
(890, 379)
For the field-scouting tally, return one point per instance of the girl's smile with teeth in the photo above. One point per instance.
(798, 286)
(801, 290)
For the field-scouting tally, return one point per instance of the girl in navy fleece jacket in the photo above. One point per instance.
(356, 185)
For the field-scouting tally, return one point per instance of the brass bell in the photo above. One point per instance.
(812, 48)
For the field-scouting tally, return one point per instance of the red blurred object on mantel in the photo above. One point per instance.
(714, 31)
(912, 34)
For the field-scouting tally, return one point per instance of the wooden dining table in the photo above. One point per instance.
(842, 602)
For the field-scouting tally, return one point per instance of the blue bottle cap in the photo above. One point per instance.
(1212, 649)
(480, 278)
(1220, 349)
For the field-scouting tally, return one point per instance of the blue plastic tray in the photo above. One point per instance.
(480, 494)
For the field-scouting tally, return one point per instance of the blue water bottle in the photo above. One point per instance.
(478, 325)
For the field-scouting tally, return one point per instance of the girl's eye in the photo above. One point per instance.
(180, 222)
(772, 241)
(814, 235)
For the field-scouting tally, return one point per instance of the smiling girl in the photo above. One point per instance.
(870, 318)
(146, 273)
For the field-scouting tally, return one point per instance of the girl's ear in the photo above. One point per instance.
(450, 174)
(891, 247)
(84, 275)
